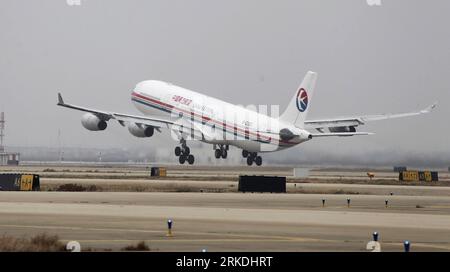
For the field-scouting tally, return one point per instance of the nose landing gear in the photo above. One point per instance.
(252, 157)
(183, 153)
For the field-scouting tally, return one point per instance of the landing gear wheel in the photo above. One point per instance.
(244, 153)
(258, 160)
(249, 161)
(187, 151)
(182, 159)
(177, 151)
(217, 153)
(190, 159)
(224, 154)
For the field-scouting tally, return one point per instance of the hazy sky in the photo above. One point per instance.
(391, 58)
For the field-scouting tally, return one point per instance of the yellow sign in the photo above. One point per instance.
(427, 176)
(162, 172)
(411, 176)
(417, 176)
(26, 183)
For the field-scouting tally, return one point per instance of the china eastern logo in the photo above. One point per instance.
(302, 100)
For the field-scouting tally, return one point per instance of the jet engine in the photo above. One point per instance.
(140, 131)
(286, 134)
(93, 123)
(300, 134)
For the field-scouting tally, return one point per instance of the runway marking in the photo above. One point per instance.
(437, 206)
(239, 237)
(398, 245)
(447, 248)
(327, 217)
(193, 240)
(421, 244)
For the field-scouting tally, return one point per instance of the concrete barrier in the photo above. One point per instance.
(19, 182)
(262, 184)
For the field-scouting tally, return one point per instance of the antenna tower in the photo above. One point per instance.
(2, 131)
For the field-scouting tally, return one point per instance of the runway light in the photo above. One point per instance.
(169, 228)
(392, 193)
(348, 202)
(375, 236)
(323, 202)
(73, 246)
(204, 250)
(407, 246)
(386, 202)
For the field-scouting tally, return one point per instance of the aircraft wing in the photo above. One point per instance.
(351, 122)
(120, 117)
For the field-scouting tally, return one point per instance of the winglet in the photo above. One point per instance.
(60, 100)
(430, 108)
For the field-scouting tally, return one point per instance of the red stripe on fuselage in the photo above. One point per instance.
(204, 118)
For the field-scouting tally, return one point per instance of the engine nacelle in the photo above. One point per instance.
(140, 131)
(93, 123)
(342, 129)
(286, 134)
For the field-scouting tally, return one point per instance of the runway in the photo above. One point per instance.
(231, 221)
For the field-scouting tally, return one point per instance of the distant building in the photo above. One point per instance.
(9, 158)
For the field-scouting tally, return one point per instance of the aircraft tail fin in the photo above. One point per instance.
(298, 107)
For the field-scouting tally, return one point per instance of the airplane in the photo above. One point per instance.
(190, 115)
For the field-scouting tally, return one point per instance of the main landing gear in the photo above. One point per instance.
(252, 157)
(183, 153)
(221, 152)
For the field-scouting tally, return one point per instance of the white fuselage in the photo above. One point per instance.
(224, 123)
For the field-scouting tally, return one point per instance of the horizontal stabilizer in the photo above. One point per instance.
(341, 134)
(362, 120)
